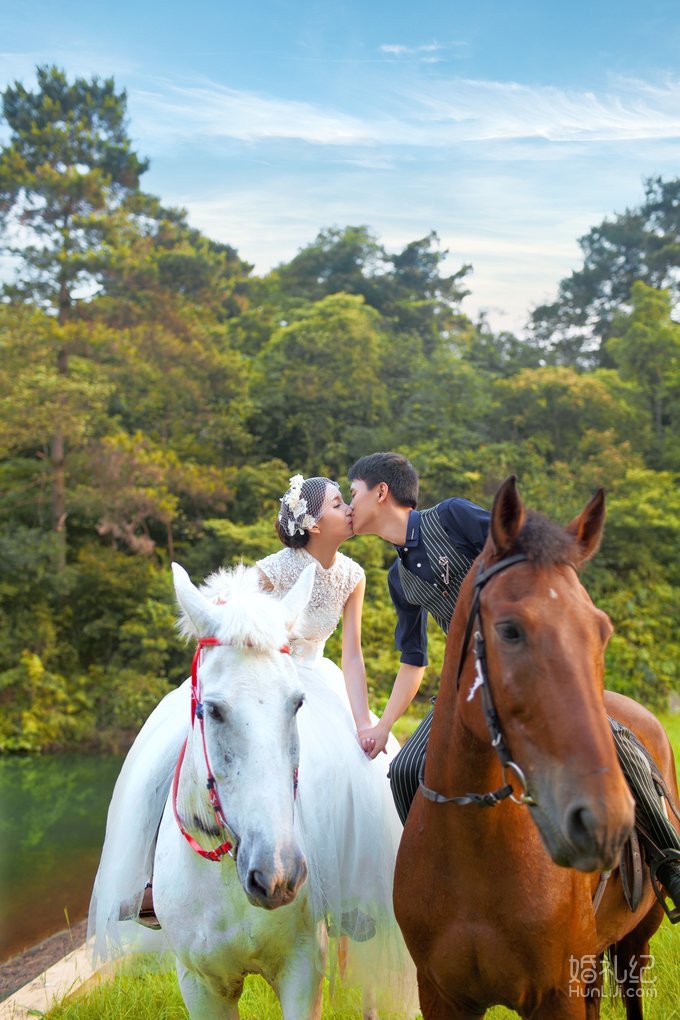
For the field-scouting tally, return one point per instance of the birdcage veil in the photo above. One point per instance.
(304, 503)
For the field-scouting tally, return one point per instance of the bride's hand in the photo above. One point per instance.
(372, 740)
(367, 745)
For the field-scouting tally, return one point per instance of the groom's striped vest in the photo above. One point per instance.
(449, 566)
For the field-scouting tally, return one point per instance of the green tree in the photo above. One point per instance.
(647, 352)
(407, 287)
(317, 385)
(140, 494)
(499, 354)
(636, 579)
(420, 299)
(159, 266)
(68, 166)
(639, 244)
(556, 407)
(348, 261)
(34, 394)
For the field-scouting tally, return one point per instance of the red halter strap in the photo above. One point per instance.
(218, 852)
(202, 642)
(211, 855)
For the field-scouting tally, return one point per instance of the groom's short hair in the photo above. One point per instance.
(392, 468)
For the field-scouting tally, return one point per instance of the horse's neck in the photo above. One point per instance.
(460, 753)
(460, 761)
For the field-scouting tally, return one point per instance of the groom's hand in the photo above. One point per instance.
(373, 740)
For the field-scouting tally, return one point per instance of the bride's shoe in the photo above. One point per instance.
(359, 926)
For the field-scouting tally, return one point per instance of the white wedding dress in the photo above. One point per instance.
(350, 827)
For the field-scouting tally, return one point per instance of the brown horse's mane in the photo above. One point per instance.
(543, 542)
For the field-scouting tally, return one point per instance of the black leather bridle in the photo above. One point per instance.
(493, 723)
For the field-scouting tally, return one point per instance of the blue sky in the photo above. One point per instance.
(508, 126)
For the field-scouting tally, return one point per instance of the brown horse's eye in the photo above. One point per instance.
(510, 633)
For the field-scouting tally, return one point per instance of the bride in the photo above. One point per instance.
(356, 827)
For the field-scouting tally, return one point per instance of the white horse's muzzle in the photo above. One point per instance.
(271, 876)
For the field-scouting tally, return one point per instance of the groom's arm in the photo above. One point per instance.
(405, 688)
(410, 637)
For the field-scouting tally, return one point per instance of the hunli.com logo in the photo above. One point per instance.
(593, 975)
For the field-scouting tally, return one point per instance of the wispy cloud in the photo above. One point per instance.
(214, 111)
(438, 114)
(400, 50)
(416, 152)
(269, 130)
(427, 53)
(475, 110)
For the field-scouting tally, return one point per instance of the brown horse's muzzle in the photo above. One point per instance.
(588, 829)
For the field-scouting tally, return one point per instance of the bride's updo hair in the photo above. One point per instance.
(302, 506)
(295, 541)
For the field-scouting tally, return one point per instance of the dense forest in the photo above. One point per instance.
(156, 394)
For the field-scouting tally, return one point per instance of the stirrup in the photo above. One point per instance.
(147, 915)
(670, 857)
(148, 919)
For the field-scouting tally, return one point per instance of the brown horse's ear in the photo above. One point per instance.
(587, 528)
(507, 516)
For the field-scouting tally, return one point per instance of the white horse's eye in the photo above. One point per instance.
(300, 702)
(215, 712)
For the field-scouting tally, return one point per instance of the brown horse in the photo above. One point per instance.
(496, 902)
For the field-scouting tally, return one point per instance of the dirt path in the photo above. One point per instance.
(19, 970)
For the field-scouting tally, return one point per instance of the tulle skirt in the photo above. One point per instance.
(348, 827)
(133, 819)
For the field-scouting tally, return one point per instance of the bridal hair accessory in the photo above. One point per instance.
(304, 503)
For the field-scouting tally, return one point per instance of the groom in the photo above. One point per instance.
(435, 549)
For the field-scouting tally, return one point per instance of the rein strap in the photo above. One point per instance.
(493, 722)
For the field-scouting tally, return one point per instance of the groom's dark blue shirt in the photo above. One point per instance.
(466, 525)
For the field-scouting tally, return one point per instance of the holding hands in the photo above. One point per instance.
(373, 739)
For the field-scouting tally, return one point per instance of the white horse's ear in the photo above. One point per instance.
(299, 595)
(199, 612)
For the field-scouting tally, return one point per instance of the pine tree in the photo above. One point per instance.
(65, 175)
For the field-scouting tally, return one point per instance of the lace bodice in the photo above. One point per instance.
(332, 588)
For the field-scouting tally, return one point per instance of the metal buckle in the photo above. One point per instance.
(525, 797)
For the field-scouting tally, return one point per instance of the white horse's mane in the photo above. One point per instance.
(242, 612)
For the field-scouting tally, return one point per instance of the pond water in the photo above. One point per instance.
(52, 819)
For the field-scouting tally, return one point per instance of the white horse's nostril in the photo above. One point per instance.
(257, 884)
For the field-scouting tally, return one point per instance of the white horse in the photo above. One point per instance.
(250, 913)
(212, 912)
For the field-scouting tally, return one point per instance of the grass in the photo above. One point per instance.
(671, 722)
(141, 992)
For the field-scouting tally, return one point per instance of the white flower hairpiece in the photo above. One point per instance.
(300, 520)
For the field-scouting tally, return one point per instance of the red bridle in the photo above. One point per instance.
(197, 713)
